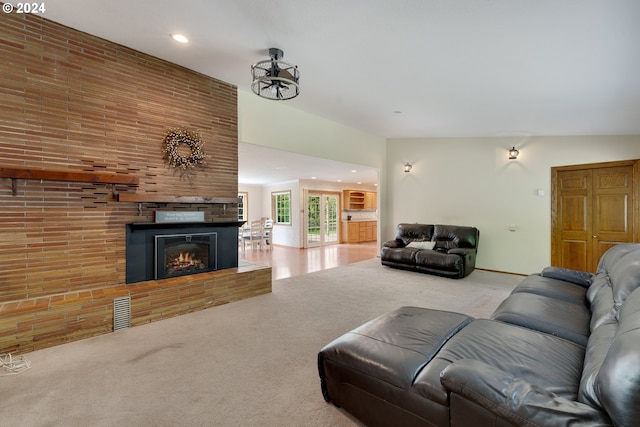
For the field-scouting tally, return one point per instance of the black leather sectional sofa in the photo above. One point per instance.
(562, 350)
(451, 253)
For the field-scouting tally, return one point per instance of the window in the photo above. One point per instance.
(242, 206)
(281, 207)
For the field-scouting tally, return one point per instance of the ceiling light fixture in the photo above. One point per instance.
(513, 153)
(180, 38)
(275, 79)
(407, 167)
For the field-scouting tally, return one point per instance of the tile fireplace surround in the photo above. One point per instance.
(143, 262)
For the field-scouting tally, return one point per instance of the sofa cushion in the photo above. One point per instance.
(439, 261)
(395, 346)
(545, 314)
(549, 362)
(407, 233)
(565, 274)
(617, 277)
(597, 349)
(455, 236)
(625, 278)
(399, 255)
(553, 288)
(618, 381)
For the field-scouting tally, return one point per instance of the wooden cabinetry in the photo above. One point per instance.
(354, 199)
(360, 231)
(353, 232)
(370, 199)
(359, 200)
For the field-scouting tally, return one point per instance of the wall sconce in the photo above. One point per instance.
(407, 167)
(513, 153)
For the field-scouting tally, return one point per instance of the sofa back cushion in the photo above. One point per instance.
(454, 236)
(617, 385)
(611, 372)
(408, 233)
(618, 275)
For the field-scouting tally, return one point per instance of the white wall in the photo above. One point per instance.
(255, 201)
(280, 125)
(286, 235)
(470, 181)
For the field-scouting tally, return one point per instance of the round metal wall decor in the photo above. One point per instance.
(183, 148)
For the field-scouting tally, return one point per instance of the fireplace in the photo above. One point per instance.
(154, 249)
(183, 254)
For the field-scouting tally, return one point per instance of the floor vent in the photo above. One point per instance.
(121, 313)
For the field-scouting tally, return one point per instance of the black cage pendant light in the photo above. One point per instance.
(275, 79)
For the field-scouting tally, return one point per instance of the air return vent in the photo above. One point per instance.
(121, 313)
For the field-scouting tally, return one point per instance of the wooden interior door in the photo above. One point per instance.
(613, 199)
(594, 207)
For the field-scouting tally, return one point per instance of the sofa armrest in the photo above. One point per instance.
(469, 257)
(581, 278)
(463, 252)
(514, 399)
(394, 244)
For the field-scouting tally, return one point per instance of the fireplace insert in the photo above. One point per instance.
(183, 254)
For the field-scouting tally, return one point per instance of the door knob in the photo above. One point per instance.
(594, 236)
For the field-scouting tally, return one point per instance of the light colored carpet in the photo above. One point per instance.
(248, 363)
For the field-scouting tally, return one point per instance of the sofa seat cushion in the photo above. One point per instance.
(554, 288)
(395, 346)
(399, 255)
(435, 260)
(370, 370)
(548, 315)
(556, 367)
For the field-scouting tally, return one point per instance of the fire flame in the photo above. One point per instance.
(183, 260)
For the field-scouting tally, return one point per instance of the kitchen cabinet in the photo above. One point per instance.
(359, 231)
(359, 200)
(370, 199)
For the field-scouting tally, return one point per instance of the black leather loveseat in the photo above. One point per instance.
(444, 250)
(562, 350)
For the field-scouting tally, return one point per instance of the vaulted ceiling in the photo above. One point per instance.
(407, 68)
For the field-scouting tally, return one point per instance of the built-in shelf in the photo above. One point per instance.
(159, 198)
(68, 176)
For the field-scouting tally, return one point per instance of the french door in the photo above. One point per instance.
(322, 219)
(594, 207)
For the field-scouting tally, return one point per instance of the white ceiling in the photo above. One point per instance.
(262, 165)
(407, 68)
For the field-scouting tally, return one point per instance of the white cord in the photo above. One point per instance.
(11, 366)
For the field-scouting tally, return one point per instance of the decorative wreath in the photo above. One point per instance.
(176, 142)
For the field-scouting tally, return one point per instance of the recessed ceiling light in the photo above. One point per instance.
(180, 38)
(353, 170)
(339, 180)
(359, 182)
(313, 177)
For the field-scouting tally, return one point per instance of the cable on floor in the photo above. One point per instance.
(10, 365)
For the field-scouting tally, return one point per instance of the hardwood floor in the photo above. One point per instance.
(287, 261)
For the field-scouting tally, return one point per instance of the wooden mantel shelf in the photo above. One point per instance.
(69, 176)
(58, 175)
(160, 198)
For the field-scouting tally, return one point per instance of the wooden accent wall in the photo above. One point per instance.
(70, 101)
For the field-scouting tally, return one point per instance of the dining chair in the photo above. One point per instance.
(255, 236)
(242, 233)
(267, 227)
